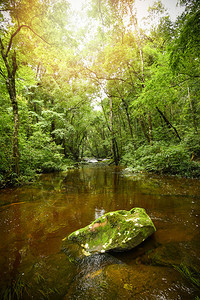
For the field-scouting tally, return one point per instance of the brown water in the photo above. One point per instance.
(34, 220)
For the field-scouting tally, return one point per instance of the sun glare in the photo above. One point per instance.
(141, 6)
(76, 4)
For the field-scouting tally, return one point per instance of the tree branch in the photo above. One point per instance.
(106, 77)
(17, 31)
(2, 74)
(169, 125)
(4, 58)
(184, 80)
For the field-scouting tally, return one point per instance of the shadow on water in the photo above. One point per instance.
(34, 220)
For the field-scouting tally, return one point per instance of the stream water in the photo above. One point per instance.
(35, 218)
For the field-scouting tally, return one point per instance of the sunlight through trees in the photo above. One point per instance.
(87, 79)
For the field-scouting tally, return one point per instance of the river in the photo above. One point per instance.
(35, 218)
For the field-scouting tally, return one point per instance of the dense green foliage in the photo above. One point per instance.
(107, 90)
(162, 158)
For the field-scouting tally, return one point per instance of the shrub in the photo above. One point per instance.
(40, 153)
(192, 143)
(164, 159)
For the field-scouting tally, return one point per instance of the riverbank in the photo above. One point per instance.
(156, 159)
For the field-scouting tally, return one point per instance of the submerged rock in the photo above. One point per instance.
(117, 231)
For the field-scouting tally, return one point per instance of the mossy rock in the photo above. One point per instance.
(115, 231)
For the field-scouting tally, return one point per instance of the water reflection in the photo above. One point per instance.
(34, 220)
(99, 212)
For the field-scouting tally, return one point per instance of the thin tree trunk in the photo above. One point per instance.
(138, 41)
(144, 129)
(10, 84)
(65, 148)
(114, 146)
(150, 129)
(169, 125)
(192, 110)
(128, 116)
(16, 155)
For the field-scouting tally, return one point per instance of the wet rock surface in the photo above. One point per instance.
(115, 231)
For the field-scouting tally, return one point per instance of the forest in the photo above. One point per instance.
(103, 87)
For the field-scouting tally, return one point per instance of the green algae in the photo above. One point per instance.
(117, 231)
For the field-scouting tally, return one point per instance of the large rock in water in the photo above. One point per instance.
(117, 231)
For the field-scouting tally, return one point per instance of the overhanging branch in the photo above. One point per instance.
(97, 77)
(169, 125)
(17, 31)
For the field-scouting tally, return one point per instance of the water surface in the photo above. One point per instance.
(34, 219)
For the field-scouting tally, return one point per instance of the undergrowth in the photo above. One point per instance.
(162, 159)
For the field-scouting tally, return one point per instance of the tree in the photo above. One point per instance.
(10, 83)
(23, 16)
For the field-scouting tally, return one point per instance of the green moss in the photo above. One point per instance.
(118, 231)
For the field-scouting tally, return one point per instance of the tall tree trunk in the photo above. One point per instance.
(144, 129)
(128, 116)
(10, 84)
(16, 155)
(138, 41)
(192, 111)
(114, 146)
(65, 148)
(150, 129)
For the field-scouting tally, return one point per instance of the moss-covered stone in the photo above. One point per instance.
(117, 231)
